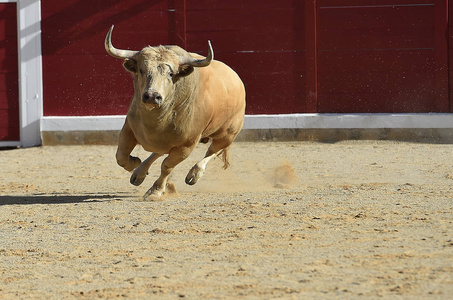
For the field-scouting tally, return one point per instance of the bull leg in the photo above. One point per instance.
(140, 173)
(126, 144)
(175, 156)
(216, 148)
(198, 169)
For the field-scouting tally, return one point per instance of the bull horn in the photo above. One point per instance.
(198, 63)
(117, 53)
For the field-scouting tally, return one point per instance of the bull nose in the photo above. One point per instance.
(153, 97)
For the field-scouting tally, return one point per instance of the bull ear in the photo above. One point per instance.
(130, 65)
(184, 71)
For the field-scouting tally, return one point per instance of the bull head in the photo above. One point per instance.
(157, 69)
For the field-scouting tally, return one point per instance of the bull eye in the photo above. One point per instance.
(141, 72)
(170, 71)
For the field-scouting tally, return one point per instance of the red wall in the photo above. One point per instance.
(382, 56)
(9, 88)
(347, 56)
(450, 54)
(263, 41)
(79, 77)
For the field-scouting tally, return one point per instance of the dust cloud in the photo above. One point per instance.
(284, 176)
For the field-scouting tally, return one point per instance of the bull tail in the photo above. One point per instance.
(225, 156)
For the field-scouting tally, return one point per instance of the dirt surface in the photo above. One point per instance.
(287, 220)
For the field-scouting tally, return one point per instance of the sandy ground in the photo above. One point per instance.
(287, 220)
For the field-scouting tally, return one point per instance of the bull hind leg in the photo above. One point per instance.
(218, 147)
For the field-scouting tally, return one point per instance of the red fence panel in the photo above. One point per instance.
(263, 41)
(9, 87)
(381, 57)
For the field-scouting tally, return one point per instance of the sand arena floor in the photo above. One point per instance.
(287, 220)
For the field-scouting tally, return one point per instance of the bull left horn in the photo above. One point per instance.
(117, 53)
(198, 63)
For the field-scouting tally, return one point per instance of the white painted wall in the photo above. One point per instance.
(289, 121)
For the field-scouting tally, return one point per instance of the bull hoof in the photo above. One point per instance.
(136, 180)
(153, 195)
(194, 175)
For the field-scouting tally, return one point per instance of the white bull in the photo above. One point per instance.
(179, 99)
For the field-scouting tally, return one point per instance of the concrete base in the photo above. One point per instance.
(424, 135)
(104, 137)
(428, 127)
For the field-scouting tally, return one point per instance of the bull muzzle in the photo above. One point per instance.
(153, 98)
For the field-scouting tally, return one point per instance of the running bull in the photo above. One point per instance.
(180, 98)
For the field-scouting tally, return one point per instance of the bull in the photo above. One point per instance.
(180, 98)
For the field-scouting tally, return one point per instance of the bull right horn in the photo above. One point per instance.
(117, 53)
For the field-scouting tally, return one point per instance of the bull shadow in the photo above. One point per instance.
(59, 199)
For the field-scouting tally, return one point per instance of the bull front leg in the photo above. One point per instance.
(126, 144)
(139, 174)
(175, 156)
